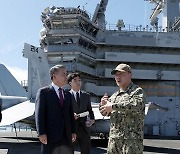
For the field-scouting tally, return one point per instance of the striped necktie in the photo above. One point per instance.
(61, 99)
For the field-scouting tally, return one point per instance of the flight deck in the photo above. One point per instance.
(26, 142)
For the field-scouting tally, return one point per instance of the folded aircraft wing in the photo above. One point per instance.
(17, 113)
(2, 97)
(151, 106)
(97, 114)
(9, 85)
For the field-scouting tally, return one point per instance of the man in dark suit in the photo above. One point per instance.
(81, 103)
(54, 115)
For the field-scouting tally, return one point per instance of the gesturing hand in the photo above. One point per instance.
(104, 100)
(106, 109)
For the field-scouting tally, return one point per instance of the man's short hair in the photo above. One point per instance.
(71, 76)
(55, 69)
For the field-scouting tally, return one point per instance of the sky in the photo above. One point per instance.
(20, 23)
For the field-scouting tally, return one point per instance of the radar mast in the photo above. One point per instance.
(171, 14)
(99, 14)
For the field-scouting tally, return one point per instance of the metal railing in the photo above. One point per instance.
(141, 28)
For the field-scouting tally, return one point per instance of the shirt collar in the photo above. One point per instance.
(55, 86)
(74, 92)
(128, 87)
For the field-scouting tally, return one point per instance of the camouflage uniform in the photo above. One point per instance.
(127, 121)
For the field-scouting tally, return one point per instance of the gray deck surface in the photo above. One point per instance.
(27, 143)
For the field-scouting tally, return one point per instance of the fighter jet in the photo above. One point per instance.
(19, 105)
(10, 87)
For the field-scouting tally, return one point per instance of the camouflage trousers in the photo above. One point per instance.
(126, 146)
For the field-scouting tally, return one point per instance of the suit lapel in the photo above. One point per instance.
(75, 106)
(81, 99)
(55, 96)
(65, 98)
(54, 92)
(73, 98)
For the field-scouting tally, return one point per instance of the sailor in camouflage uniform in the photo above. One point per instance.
(126, 110)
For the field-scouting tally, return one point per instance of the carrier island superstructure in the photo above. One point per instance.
(86, 44)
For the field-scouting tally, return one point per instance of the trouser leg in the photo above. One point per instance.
(84, 141)
(119, 146)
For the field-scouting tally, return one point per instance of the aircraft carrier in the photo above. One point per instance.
(84, 43)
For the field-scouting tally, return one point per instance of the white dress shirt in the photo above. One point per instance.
(56, 88)
(74, 93)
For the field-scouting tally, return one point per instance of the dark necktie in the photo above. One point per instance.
(61, 97)
(77, 99)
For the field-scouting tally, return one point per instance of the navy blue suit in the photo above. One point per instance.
(52, 119)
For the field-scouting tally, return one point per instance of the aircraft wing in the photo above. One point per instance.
(2, 97)
(17, 113)
(97, 114)
(9, 85)
(151, 106)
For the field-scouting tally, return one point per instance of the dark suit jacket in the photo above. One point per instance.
(85, 105)
(51, 118)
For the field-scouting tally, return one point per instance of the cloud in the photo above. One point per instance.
(18, 73)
